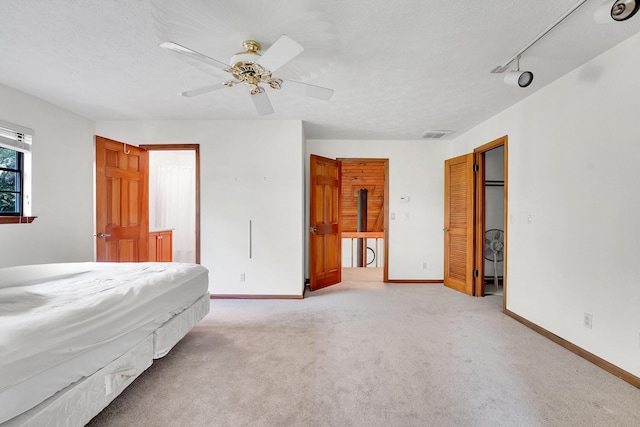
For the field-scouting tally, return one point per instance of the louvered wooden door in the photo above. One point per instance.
(122, 213)
(458, 223)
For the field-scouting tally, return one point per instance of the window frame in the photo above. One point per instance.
(19, 170)
(19, 139)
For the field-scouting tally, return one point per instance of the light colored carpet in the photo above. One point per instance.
(363, 353)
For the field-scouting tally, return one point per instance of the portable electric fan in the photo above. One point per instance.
(494, 250)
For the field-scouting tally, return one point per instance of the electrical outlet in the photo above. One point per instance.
(588, 320)
(242, 277)
(424, 265)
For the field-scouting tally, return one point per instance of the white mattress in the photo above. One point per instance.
(62, 322)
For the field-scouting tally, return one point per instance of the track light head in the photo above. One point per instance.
(518, 78)
(616, 11)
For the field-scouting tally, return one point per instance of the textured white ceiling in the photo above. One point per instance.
(398, 68)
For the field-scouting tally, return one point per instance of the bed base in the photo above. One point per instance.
(78, 403)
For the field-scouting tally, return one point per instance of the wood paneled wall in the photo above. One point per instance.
(367, 174)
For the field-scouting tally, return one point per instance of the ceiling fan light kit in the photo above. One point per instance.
(245, 69)
(255, 70)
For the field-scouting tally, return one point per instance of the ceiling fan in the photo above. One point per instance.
(255, 70)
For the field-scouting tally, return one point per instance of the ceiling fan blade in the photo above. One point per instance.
(262, 103)
(193, 54)
(282, 51)
(306, 89)
(205, 89)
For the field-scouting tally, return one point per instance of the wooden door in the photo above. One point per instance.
(122, 217)
(458, 223)
(325, 242)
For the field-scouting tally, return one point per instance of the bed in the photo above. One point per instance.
(73, 336)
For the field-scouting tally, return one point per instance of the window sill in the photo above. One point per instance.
(17, 219)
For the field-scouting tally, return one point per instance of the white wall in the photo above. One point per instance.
(574, 151)
(415, 170)
(62, 184)
(249, 170)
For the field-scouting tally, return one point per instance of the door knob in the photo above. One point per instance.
(313, 229)
(103, 235)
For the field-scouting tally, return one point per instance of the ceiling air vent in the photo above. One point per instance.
(435, 134)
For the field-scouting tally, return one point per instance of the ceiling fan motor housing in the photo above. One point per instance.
(245, 69)
(249, 55)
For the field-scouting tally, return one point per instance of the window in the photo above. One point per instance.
(11, 171)
(15, 173)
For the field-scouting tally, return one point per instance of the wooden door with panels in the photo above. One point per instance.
(122, 217)
(325, 242)
(459, 224)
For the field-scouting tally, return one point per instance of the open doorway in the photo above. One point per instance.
(174, 202)
(364, 198)
(326, 233)
(494, 221)
(491, 219)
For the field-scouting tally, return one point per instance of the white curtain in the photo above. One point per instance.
(172, 196)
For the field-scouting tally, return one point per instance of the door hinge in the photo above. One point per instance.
(476, 167)
(475, 273)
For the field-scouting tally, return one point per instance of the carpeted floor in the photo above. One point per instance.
(363, 353)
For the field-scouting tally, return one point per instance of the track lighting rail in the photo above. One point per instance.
(503, 68)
